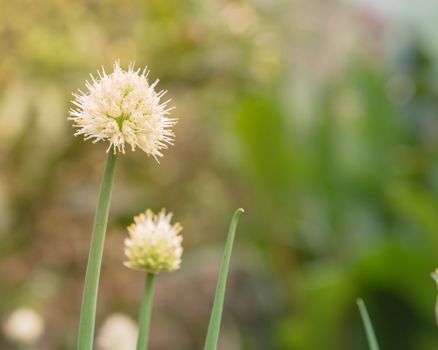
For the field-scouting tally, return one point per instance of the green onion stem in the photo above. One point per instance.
(145, 313)
(91, 285)
(372, 340)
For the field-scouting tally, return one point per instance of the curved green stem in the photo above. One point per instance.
(89, 297)
(216, 312)
(145, 313)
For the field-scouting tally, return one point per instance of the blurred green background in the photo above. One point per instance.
(319, 117)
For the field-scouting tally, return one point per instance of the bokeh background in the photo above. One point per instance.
(319, 117)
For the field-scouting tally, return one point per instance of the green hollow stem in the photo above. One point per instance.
(371, 336)
(145, 313)
(218, 303)
(89, 297)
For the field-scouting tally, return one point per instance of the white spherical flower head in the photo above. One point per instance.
(118, 332)
(123, 108)
(24, 326)
(154, 244)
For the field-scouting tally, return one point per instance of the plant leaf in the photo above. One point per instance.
(216, 312)
(372, 340)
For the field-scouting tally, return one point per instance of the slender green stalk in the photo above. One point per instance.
(145, 313)
(372, 340)
(216, 312)
(89, 297)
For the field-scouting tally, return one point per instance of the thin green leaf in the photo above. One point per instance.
(216, 312)
(372, 340)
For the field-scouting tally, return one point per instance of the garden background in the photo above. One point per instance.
(319, 117)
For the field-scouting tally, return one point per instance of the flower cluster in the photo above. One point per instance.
(154, 244)
(123, 108)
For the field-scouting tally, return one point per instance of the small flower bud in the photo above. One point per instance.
(154, 245)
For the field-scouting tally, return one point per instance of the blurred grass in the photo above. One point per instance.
(319, 118)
